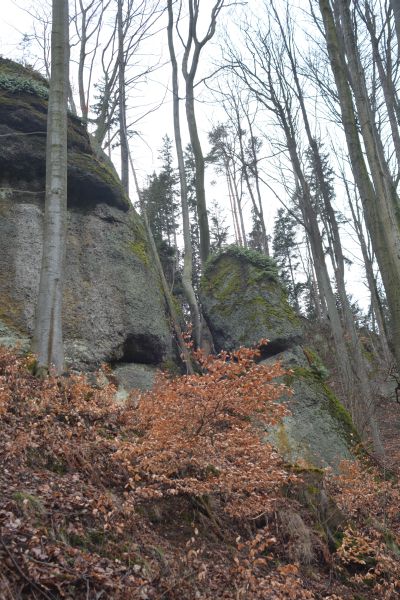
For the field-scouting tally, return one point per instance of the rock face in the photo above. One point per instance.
(244, 302)
(113, 305)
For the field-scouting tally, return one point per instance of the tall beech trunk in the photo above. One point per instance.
(48, 336)
(200, 171)
(123, 130)
(371, 280)
(377, 198)
(187, 275)
(363, 401)
(395, 4)
(386, 80)
(190, 62)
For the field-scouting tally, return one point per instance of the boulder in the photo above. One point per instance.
(244, 302)
(114, 309)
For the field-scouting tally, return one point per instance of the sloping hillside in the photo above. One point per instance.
(172, 496)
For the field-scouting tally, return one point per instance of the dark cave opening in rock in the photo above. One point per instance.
(141, 348)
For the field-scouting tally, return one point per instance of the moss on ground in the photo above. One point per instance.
(28, 503)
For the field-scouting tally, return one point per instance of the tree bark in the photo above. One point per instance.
(187, 274)
(48, 337)
(192, 50)
(395, 4)
(379, 209)
(200, 171)
(123, 130)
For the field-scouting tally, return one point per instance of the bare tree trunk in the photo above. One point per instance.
(319, 301)
(233, 202)
(238, 203)
(385, 77)
(200, 170)
(259, 211)
(192, 50)
(375, 302)
(379, 210)
(123, 130)
(48, 337)
(395, 4)
(187, 275)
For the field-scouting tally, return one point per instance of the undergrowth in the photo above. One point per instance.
(173, 496)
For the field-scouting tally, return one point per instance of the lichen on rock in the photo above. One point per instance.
(113, 310)
(244, 302)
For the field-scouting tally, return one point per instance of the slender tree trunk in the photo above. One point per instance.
(187, 275)
(387, 84)
(48, 337)
(200, 172)
(123, 130)
(375, 302)
(238, 203)
(316, 294)
(81, 65)
(395, 4)
(254, 169)
(232, 198)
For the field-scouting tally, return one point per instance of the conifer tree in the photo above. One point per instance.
(286, 254)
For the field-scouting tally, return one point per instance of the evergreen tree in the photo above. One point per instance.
(190, 169)
(219, 231)
(160, 200)
(286, 254)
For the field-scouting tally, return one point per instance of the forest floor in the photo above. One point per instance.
(86, 514)
(388, 415)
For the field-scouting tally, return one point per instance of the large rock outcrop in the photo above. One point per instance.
(244, 302)
(114, 309)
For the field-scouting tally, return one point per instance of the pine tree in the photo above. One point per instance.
(194, 222)
(285, 252)
(219, 231)
(160, 200)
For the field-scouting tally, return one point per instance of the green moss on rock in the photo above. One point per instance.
(331, 403)
(139, 244)
(14, 69)
(265, 265)
(243, 300)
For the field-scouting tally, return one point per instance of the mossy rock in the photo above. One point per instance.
(319, 432)
(243, 302)
(113, 306)
(12, 68)
(23, 119)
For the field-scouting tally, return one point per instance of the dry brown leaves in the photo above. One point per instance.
(170, 498)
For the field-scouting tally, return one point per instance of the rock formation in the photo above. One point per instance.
(244, 302)
(113, 305)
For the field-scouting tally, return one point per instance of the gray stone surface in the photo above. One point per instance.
(244, 303)
(114, 308)
(11, 338)
(134, 377)
(318, 431)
